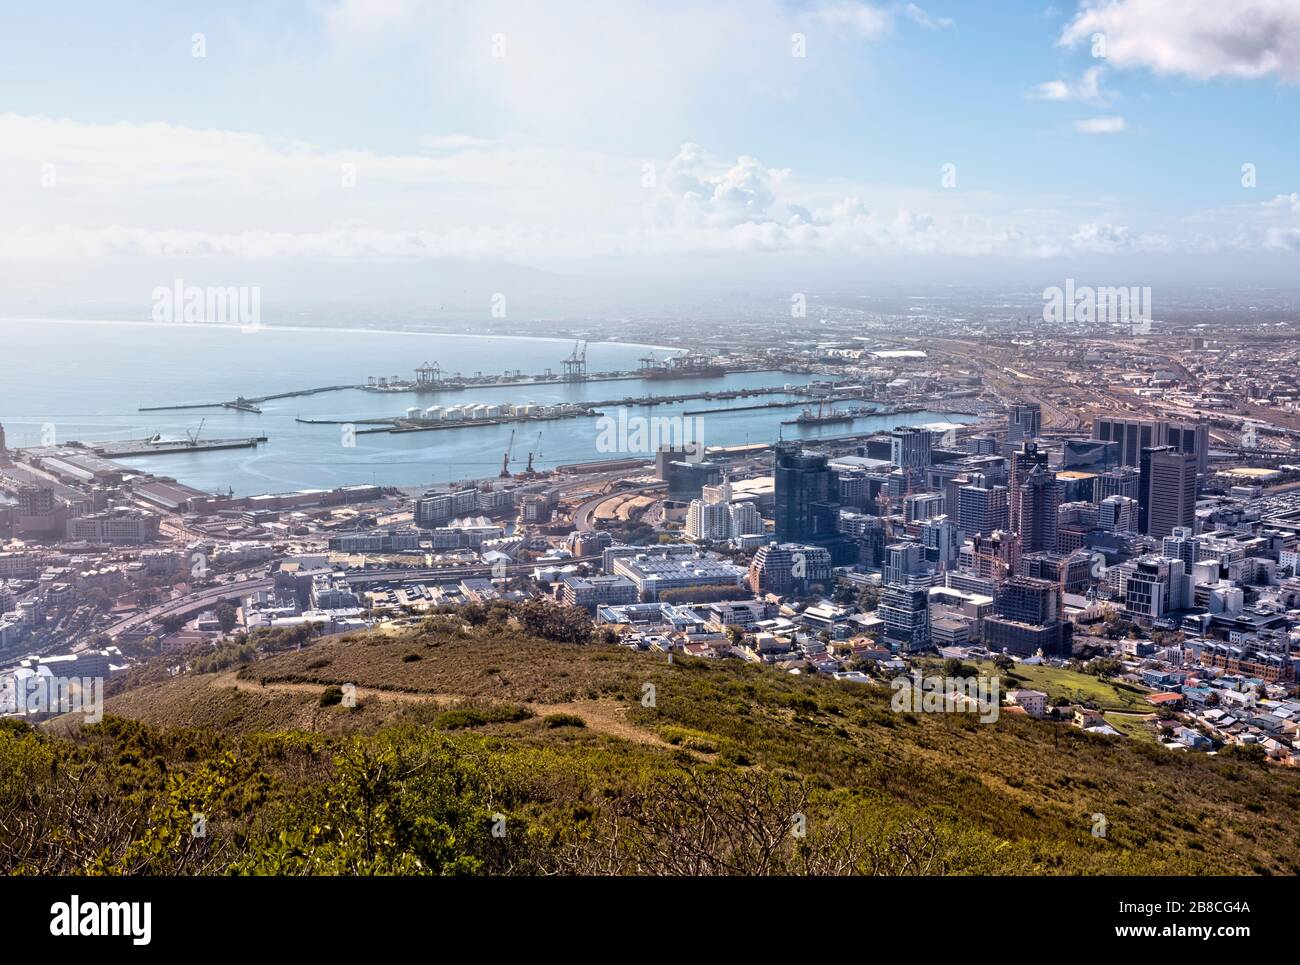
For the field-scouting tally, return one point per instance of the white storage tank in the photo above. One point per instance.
(433, 413)
(413, 413)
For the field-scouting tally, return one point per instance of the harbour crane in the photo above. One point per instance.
(193, 437)
(575, 366)
(505, 460)
(530, 472)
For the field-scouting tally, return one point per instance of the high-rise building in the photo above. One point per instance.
(1028, 619)
(994, 556)
(783, 567)
(1191, 437)
(1134, 435)
(1036, 502)
(1024, 422)
(1089, 455)
(686, 480)
(745, 519)
(981, 509)
(708, 521)
(902, 560)
(674, 453)
(1029, 600)
(1181, 544)
(1156, 586)
(1168, 491)
(1117, 514)
(922, 506)
(905, 611)
(940, 537)
(803, 484)
(1023, 460)
(909, 448)
(1121, 481)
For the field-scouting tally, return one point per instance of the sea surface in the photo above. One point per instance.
(86, 381)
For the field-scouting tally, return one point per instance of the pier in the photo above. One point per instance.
(159, 447)
(248, 404)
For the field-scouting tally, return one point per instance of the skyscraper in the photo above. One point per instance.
(909, 449)
(1024, 422)
(1134, 435)
(1168, 491)
(905, 610)
(1036, 501)
(803, 485)
(981, 509)
(1117, 513)
(1023, 460)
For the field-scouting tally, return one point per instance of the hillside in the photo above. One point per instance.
(453, 726)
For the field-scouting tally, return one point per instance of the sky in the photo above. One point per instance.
(394, 151)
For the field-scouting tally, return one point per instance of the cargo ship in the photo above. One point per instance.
(681, 367)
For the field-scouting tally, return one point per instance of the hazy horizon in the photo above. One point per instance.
(588, 160)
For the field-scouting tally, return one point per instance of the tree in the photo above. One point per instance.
(952, 667)
(227, 617)
(172, 622)
(869, 598)
(550, 621)
(1104, 667)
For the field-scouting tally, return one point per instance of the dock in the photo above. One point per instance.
(148, 447)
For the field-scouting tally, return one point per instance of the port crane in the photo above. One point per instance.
(505, 460)
(530, 472)
(193, 437)
(575, 366)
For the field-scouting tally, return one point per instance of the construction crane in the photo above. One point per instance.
(530, 472)
(193, 437)
(505, 460)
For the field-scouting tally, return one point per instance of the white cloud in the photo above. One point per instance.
(1100, 125)
(925, 20)
(1196, 38)
(860, 18)
(1087, 89)
(152, 191)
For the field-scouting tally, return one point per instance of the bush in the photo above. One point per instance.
(478, 713)
(563, 720)
(332, 695)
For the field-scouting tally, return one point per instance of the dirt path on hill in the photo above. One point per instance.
(602, 716)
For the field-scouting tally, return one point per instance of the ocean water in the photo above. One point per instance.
(85, 380)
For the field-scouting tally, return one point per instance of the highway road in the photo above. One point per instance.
(210, 596)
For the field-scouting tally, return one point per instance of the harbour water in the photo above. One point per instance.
(86, 381)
